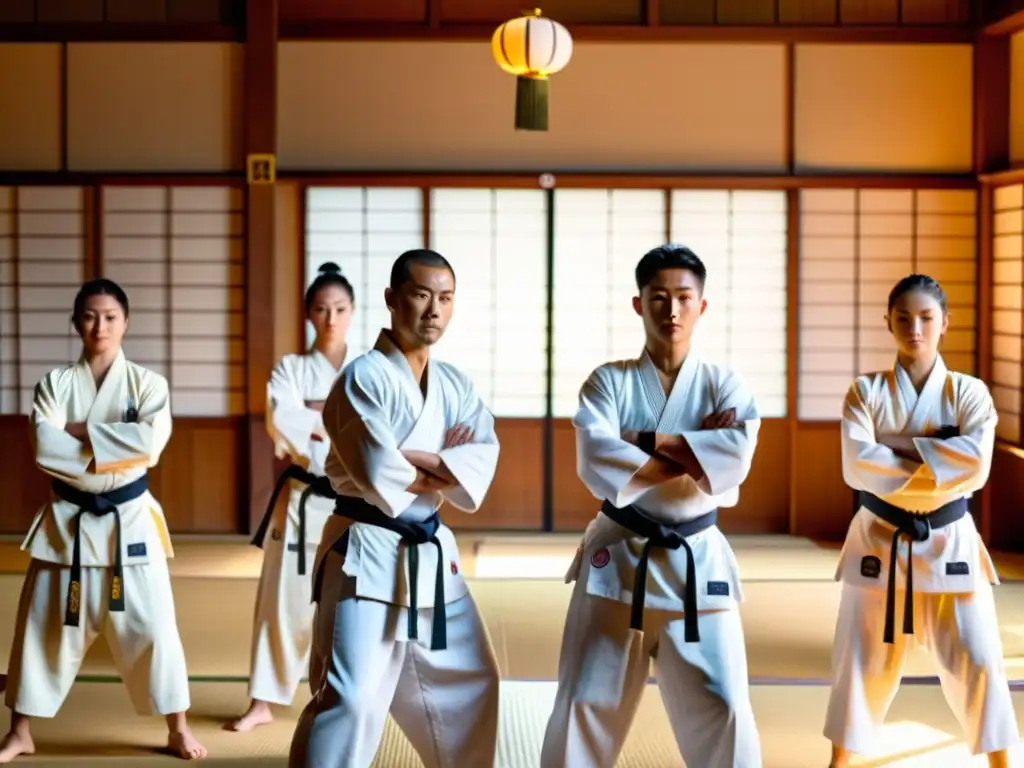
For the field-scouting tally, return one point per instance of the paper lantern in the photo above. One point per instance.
(531, 48)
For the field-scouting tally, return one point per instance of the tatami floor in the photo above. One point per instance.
(789, 612)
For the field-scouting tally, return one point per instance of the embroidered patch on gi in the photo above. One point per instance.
(870, 567)
(957, 569)
(137, 550)
(275, 534)
(600, 558)
(718, 588)
(455, 568)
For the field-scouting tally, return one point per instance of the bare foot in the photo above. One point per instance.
(15, 744)
(183, 744)
(259, 714)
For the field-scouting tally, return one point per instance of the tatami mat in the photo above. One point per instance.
(517, 556)
(98, 727)
(789, 627)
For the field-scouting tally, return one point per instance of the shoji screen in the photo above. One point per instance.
(8, 304)
(741, 238)
(42, 265)
(600, 235)
(854, 246)
(178, 254)
(1007, 306)
(362, 230)
(496, 242)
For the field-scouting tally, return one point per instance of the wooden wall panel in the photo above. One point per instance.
(824, 503)
(808, 11)
(25, 487)
(63, 11)
(413, 113)
(200, 479)
(1007, 483)
(764, 497)
(1016, 99)
(198, 482)
(566, 11)
(883, 108)
(354, 10)
(516, 498)
(30, 105)
(154, 107)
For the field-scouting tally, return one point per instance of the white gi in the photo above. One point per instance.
(129, 423)
(283, 626)
(445, 701)
(604, 664)
(954, 610)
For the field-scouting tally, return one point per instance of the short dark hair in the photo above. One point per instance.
(922, 283)
(328, 274)
(669, 256)
(400, 273)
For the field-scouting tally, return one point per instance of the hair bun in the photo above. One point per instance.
(328, 268)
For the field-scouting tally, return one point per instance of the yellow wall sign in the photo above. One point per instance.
(261, 169)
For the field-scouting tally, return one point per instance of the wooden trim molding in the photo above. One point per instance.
(638, 33)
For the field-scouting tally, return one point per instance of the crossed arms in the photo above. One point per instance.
(671, 455)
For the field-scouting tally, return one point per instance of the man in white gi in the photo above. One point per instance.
(917, 442)
(663, 441)
(406, 433)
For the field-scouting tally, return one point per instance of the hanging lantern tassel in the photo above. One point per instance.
(531, 48)
(532, 103)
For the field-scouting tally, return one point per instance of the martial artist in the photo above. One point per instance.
(99, 547)
(299, 385)
(396, 626)
(917, 442)
(664, 441)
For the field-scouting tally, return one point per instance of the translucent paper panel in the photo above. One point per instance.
(496, 241)
(46, 259)
(1007, 308)
(136, 252)
(828, 251)
(177, 252)
(363, 230)
(205, 278)
(741, 238)
(8, 305)
(600, 235)
(855, 246)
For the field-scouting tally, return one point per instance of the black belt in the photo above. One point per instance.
(667, 537)
(915, 528)
(98, 504)
(317, 484)
(413, 534)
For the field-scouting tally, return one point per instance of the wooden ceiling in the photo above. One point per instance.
(635, 20)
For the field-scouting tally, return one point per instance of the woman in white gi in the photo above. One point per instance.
(99, 548)
(283, 627)
(917, 442)
(664, 441)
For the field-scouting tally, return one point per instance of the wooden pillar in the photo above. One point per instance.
(991, 103)
(260, 138)
(991, 153)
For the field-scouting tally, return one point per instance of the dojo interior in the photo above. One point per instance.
(811, 151)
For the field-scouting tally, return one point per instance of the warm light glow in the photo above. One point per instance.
(522, 567)
(532, 46)
(909, 744)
